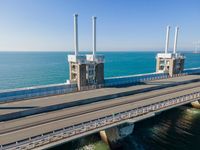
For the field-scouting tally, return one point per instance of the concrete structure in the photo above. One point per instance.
(172, 63)
(86, 70)
(113, 136)
(196, 104)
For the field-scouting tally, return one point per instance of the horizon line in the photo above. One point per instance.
(186, 50)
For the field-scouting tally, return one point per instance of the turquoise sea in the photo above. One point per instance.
(23, 69)
(176, 129)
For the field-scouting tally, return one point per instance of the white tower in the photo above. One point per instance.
(167, 40)
(77, 62)
(94, 35)
(175, 40)
(76, 34)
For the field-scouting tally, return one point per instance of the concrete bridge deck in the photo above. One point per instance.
(79, 98)
(22, 128)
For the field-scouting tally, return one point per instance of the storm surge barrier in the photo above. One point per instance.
(64, 88)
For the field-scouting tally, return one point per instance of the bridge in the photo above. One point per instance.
(87, 112)
(45, 116)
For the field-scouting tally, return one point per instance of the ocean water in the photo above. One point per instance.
(176, 129)
(24, 69)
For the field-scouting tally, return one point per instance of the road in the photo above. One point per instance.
(23, 105)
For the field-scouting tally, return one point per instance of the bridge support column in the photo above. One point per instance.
(112, 136)
(196, 104)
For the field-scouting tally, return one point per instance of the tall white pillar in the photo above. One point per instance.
(167, 40)
(76, 34)
(175, 40)
(94, 35)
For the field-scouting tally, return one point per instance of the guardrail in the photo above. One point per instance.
(37, 91)
(134, 79)
(91, 87)
(68, 132)
(192, 71)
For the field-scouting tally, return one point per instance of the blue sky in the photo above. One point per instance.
(47, 25)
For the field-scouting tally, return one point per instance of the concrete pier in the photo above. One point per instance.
(196, 104)
(114, 135)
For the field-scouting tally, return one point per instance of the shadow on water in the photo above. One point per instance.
(176, 129)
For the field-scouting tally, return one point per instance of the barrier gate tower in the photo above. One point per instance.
(87, 70)
(171, 63)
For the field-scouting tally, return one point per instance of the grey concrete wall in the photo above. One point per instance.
(100, 73)
(157, 64)
(81, 74)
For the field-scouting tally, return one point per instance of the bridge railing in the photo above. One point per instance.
(126, 80)
(192, 71)
(134, 79)
(91, 87)
(37, 91)
(98, 123)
